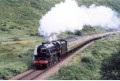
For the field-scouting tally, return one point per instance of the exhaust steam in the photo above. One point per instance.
(68, 16)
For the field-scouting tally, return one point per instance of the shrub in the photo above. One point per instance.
(88, 59)
(11, 69)
(77, 32)
(16, 39)
(4, 29)
(93, 63)
(111, 67)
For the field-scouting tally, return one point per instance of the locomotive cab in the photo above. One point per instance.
(49, 52)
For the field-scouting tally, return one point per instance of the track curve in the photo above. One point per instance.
(43, 74)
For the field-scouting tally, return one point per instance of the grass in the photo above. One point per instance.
(19, 20)
(15, 59)
(92, 63)
(110, 67)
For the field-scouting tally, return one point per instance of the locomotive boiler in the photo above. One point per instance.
(48, 53)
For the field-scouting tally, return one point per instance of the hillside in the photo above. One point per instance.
(114, 4)
(98, 62)
(20, 18)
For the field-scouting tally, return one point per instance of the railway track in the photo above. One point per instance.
(28, 75)
(43, 74)
(34, 74)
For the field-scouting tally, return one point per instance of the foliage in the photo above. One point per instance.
(114, 4)
(20, 17)
(111, 67)
(77, 32)
(19, 21)
(86, 30)
(16, 67)
(15, 59)
(16, 39)
(91, 30)
(100, 61)
(66, 34)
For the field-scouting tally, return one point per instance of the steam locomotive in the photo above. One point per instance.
(47, 53)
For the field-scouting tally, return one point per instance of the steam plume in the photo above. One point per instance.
(69, 16)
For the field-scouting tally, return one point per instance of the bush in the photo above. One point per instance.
(16, 39)
(92, 64)
(111, 67)
(76, 71)
(11, 69)
(88, 59)
(4, 29)
(77, 32)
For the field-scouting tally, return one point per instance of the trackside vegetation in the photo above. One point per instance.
(15, 59)
(98, 62)
(19, 21)
(20, 18)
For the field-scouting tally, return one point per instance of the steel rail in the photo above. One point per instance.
(35, 73)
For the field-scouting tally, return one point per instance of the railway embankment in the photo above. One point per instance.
(99, 61)
(48, 71)
(20, 58)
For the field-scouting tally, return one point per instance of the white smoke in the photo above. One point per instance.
(52, 36)
(69, 16)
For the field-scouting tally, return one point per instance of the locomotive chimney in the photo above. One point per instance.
(52, 37)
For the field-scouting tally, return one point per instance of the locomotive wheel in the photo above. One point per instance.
(50, 64)
(44, 66)
(54, 62)
(47, 65)
(57, 60)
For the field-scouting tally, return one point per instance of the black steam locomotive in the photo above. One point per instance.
(48, 53)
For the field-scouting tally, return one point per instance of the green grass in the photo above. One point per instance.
(86, 30)
(110, 69)
(19, 20)
(114, 4)
(15, 59)
(99, 61)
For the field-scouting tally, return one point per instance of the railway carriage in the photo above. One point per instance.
(47, 53)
